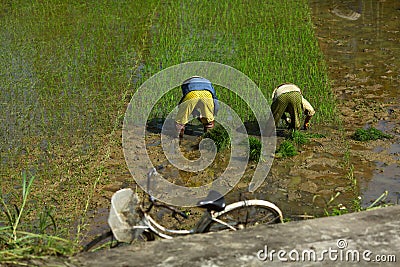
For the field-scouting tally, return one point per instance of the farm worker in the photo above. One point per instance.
(288, 98)
(198, 99)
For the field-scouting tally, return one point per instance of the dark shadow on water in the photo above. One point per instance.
(253, 128)
(155, 125)
(250, 127)
(167, 126)
(195, 128)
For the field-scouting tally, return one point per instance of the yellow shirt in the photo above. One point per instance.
(202, 94)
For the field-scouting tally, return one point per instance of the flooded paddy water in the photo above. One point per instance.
(361, 44)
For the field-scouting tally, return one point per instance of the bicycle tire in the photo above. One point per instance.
(100, 241)
(244, 214)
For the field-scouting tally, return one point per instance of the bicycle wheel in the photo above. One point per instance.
(101, 241)
(244, 214)
(107, 240)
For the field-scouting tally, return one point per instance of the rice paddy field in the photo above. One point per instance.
(69, 68)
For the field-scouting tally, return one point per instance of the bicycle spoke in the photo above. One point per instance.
(245, 216)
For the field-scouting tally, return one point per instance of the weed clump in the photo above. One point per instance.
(370, 134)
(286, 149)
(220, 137)
(289, 147)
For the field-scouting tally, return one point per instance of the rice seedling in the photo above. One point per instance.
(286, 149)
(290, 146)
(220, 137)
(66, 72)
(370, 134)
(274, 54)
(299, 138)
(255, 146)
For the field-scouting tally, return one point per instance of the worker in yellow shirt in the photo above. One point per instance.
(199, 99)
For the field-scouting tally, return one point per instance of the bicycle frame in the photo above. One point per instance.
(203, 223)
(130, 219)
(147, 223)
(128, 213)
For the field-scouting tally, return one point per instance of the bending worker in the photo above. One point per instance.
(288, 98)
(199, 99)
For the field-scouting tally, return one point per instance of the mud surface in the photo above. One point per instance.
(362, 53)
(360, 41)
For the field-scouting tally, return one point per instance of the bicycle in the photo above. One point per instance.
(130, 219)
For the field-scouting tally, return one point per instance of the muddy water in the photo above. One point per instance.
(361, 43)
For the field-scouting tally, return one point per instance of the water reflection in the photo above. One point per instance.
(346, 11)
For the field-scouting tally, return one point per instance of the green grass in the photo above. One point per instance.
(14, 219)
(20, 240)
(332, 209)
(252, 39)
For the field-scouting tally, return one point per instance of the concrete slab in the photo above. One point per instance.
(363, 238)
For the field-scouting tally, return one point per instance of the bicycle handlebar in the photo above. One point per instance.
(153, 200)
(174, 210)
